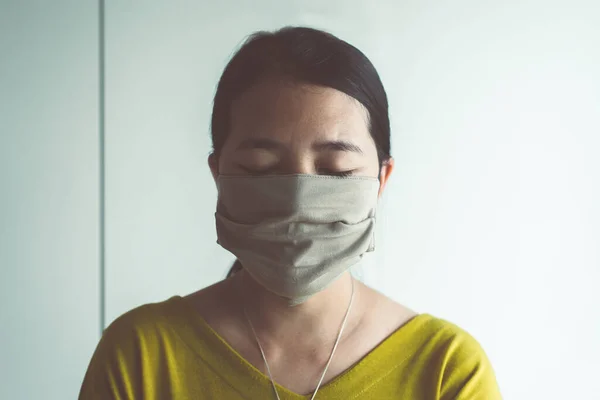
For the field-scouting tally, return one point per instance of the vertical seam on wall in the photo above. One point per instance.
(101, 120)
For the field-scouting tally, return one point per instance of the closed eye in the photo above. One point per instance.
(272, 170)
(337, 173)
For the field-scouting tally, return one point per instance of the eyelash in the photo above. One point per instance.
(324, 172)
(340, 173)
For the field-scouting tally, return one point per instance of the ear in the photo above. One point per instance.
(384, 174)
(213, 164)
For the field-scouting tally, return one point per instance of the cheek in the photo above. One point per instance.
(371, 159)
(226, 167)
(373, 170)
(225, 164)
(227, 155)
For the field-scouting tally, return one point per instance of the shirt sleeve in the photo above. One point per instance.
(468, 373)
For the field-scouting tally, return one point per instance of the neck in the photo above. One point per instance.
(315, 322)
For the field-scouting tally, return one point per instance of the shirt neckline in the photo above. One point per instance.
(251, 383)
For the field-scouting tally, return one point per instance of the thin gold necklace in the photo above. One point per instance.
(330, 356)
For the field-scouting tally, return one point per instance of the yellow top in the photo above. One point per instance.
(167, 351)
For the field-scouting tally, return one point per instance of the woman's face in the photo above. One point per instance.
(289, 128)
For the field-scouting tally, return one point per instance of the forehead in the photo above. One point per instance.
(285, 109)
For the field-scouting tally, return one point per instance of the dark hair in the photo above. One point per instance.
(303, 55)
(235, 268)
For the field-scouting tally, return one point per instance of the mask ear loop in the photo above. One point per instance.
(372, 245)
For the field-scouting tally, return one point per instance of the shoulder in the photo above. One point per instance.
(463, 368)
(144, 315)
(447, 334)
(147, 324)
(441, 354)
(125, 344)
(142, 321)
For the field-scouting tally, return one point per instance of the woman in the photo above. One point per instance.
(301, 138)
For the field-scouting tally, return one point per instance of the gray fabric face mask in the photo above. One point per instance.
(296, 234)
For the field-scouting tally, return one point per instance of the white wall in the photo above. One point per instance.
(490, 221)
(49, 321)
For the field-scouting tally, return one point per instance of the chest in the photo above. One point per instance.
(301, 372)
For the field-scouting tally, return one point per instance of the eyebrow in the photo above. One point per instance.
(270, 144)
(338, 145)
